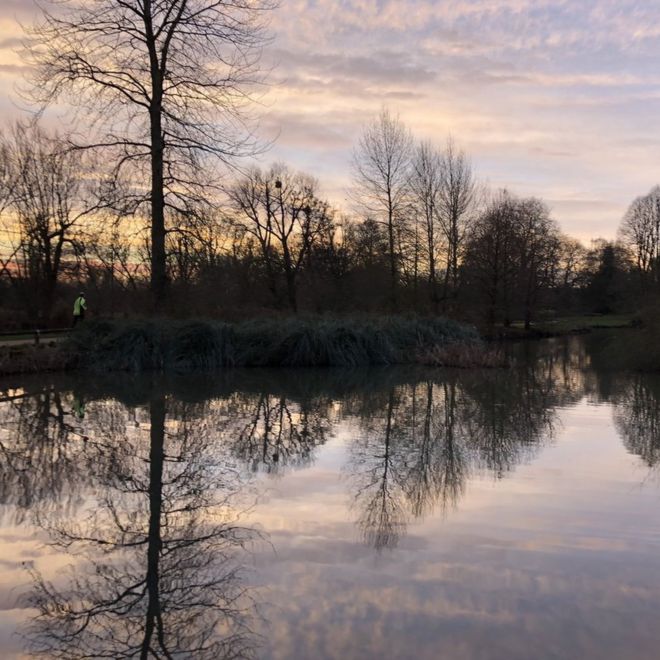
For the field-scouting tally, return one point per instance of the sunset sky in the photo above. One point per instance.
(554, 98)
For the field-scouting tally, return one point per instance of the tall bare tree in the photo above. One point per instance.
(491, 257)
(165, 84)
(538, 253)
(381, 176)
(457, 195)
(426, 182)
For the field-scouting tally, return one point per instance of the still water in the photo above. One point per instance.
(393, 513)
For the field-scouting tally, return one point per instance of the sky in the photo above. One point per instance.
(558, 99)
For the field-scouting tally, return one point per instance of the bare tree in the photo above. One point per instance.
(569, 269)
(165, 82)
(381, 175)
(47, 200)
(512, 256)
(640, 231)
(490, 257)
(457, 195)
(109, 258)
(426, 182)
(537, 253)
(283, 213)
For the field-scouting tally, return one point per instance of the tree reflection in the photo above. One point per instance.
(439, 465)
(158, 549)
(39, 450)
(416, 451)
(637, 416)
(272, 432)
(377, 460)
(158, 552)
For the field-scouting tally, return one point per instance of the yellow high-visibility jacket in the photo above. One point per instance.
(79, 306)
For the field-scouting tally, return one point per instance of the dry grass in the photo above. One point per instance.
(196, 346)
(290, 342)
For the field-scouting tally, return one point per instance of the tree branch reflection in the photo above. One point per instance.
(637, 417)
(417, 448)
(159, 552)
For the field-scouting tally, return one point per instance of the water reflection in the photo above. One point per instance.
(142, 481)
(637, 416)
(39, 445)
(158, 549)
(272, 433)
(426, 439)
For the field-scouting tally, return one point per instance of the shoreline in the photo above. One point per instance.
(207, 346)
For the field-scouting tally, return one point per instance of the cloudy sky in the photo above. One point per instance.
(554, 98)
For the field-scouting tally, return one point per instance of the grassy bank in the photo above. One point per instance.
(191, 346)
(148, 345)
(565, 325)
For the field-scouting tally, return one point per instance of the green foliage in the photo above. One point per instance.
(199, 345)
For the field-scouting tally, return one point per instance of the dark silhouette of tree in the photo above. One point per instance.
(490, 259)
(511, 258)
(457, 204)
(283, 214)
(166, 85)
(605, 286)
(47, 201)
(538, 249)
(425, 183)
(640, 232)
(381, 174)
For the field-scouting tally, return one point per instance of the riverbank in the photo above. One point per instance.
(148, 345)
(560, 327)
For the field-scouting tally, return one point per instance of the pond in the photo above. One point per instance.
(382, 513)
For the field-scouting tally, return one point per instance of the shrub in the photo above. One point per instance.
(179, 346)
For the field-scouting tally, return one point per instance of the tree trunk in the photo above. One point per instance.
(393, 282)
(156, 463)
(290, 276)
(158, 274)
(291, 292)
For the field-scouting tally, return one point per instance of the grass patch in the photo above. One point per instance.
(565, 325)
(572, 324)
(192, 346)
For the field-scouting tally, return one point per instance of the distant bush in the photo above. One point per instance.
(191, 346)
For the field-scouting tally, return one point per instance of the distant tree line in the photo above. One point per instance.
(150, 213)
(422, 236)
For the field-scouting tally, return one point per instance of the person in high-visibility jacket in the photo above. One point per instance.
(79, 309)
